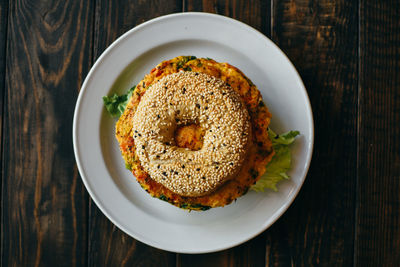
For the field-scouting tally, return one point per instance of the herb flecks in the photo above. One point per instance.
(183, 61)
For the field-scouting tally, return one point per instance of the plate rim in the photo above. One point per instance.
(278, 213)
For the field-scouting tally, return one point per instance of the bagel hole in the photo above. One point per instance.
(189, 136)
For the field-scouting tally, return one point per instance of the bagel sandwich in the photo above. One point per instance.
(195, 133)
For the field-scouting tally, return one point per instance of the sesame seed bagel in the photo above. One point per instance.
(185, 98)
(259, 151)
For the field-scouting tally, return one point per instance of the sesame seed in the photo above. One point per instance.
(223, 114)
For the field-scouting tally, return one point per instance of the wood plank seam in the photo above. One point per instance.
(89, 202)
(356, 197)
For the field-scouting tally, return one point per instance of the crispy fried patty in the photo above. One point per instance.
(259, 154)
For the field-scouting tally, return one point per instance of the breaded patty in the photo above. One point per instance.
(259, 154)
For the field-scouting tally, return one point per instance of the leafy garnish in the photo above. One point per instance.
(280, 163)
(283, 139)
(116, 104)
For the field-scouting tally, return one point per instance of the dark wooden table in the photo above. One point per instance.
(348, 211)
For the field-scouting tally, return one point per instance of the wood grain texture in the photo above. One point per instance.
(250, 254)
(256, 14)
(321, 39)
(44, 206)
(378, 221)
(3, 38)
(109, 246)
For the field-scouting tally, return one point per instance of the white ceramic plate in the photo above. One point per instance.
(122, 65)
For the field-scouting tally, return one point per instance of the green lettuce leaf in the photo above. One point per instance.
(116, 104)
(280, 162)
